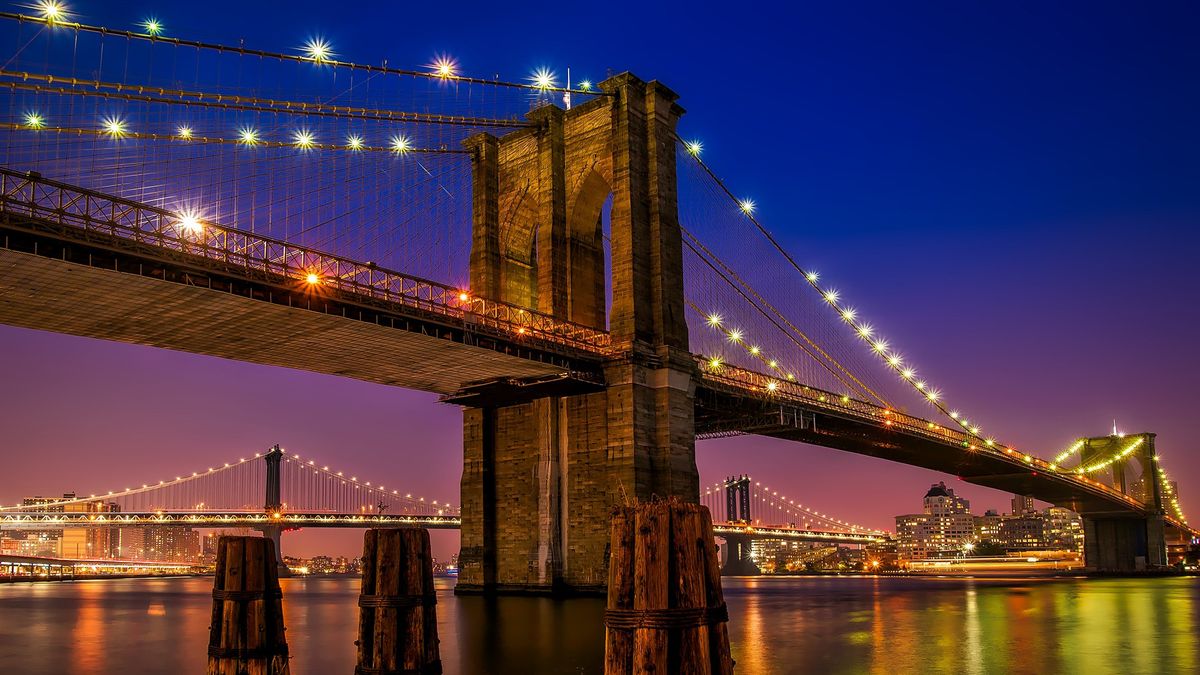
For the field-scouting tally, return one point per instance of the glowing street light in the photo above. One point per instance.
(51, 10)
(694, 148)
(114, 126)
(747, 206)
(445, 67)
(35, 121)
(247, 136)
(189, 223)
(152, 27)
(543, 78)
(304, 139)
(184, 132)
(401, 144)
(585, 85)
(354, 142)
(313, 279)
(318, 50)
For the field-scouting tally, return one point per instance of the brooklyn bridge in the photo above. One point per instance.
(555, 258)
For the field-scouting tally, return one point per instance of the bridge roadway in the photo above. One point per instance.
(83, 263)
(258, 519)
(218, 519)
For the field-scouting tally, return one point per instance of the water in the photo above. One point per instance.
(886, 626)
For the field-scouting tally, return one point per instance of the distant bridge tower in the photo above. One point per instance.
(273, 503)
(737, 499)
(273, 458)
(543, 466)
(738, 558)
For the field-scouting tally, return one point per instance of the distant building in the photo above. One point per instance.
(1022, 532)
(947, 529)
(63, 542)
(942, 531)
(171, 544)
(1022, 505)
(780, 557)
(1063, 529)
(132, 543)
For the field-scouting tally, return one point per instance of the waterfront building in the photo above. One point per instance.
(1022, 532)
(171, 544)
(945, 527)
(63, 542)
(1063, 529)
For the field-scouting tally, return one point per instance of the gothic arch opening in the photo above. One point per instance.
(588, 268)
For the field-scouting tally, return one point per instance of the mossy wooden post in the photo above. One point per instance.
(397, 622)
(666, 612)
(246, 635)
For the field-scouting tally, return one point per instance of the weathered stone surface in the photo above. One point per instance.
(539, 478)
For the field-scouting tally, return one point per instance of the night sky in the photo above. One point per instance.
(1010, 191)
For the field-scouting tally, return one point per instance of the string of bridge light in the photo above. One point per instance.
(116, 494)
(1169, 491)
(736, 336)
(730, 276)
(317, 51)
(789, 504)
(116, 128)
(73, 86)
(862, 330)
(366, 485)
(1164, 484)
(1109, 461)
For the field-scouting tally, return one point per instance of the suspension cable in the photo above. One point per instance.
(147, 94)
(322, 61)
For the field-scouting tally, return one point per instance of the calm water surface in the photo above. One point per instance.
(777, 625)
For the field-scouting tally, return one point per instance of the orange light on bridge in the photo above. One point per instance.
(463, 297)
(190, 224)
(312, 279)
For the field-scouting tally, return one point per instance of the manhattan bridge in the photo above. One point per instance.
(555, 257)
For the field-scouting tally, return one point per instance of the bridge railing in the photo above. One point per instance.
(29, 194)
(780, 531)
(785, 390)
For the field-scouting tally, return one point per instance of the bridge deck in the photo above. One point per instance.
(36, 520)
(47, 294)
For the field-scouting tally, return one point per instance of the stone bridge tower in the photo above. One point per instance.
(541, 474)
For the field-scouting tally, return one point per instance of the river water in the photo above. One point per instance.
(886, 626)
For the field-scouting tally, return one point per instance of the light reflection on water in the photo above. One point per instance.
(882, 626)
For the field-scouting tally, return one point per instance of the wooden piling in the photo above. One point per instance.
(397, 625)
(666, 613)
(246, 634)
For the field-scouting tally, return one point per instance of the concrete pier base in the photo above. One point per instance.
(1124, 544)
(736, 560)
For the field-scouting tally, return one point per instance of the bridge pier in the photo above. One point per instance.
(1124, 544)
(737, 561)
(542, 473)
